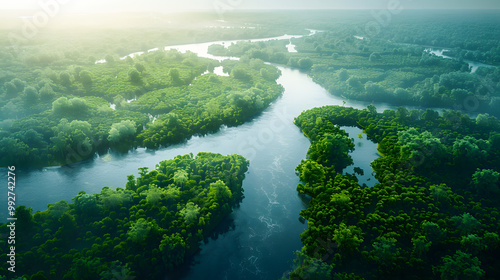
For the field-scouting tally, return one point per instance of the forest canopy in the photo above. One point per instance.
(432, 214)
(143, 229)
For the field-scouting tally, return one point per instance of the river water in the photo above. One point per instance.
(474, 65)
(258, 239)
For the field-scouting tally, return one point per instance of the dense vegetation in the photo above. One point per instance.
(150, 226)
(434, 213)
(393, 66)
(59, 107)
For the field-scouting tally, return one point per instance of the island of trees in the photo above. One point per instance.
(433, 213)
(153, 224)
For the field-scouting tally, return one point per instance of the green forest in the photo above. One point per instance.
(98, 90)
(61, 106)
(151, 225)
(393, 68)
(433, 213)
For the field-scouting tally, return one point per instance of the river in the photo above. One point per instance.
(473, 65)
(258, 239)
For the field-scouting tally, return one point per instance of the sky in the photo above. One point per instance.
(183, 5)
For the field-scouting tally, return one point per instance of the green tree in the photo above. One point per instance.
(113, 199)
(433, 232)
(139, 230)
(466, 223)
(173, 249)
(122, 131)
(472, 243)
(421, 149)
(220, 191)
(420, 246)
(154, 194)
(332, 150)
(385, 250)
(190, 212)
(140, 67)
(46, 93)
(86, 79)
(30, 96)
(460, 266)
(85, 204)
(343, 75)
(134, 76)
(65, 79)
(180, 177)
(305, 63)
(347, 238)
(485, 181)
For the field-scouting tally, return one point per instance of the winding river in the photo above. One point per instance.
(258, 239)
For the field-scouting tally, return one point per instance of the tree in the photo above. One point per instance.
(30, 96)
(122, 131)
(332, 150)
(347, 238)
(343, 75)
(68, 229)
(139, 231)
(173, 249)
(190, 212)
(305, 63)
(433, 232)
(24, 218)
(65, 78)
(73, 137)
(85, 204)
(175, 76)
(470, 151)
(486, 181)
(310, 172)
(440, 192)
(374, 90)
(421, 149)
(10, 89)
(241, 74)
(310, 268)
(154, 194)
(140, 67)
(46, 93)
(134, 76)
(86, 79)
(113, 199)
(472, 243)
(69, 107)
(420, 246)
(402, 94)
(180, 177)
(460, 266)
(385, 250)
(220, 192)
(57, 209)
(466, 223)
(354, 82)
(109, 58)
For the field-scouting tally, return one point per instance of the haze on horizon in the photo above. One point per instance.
(88, 6)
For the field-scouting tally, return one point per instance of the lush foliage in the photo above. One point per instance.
(396, 65)
(66, 110)
(433, 214)
(150, 226)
